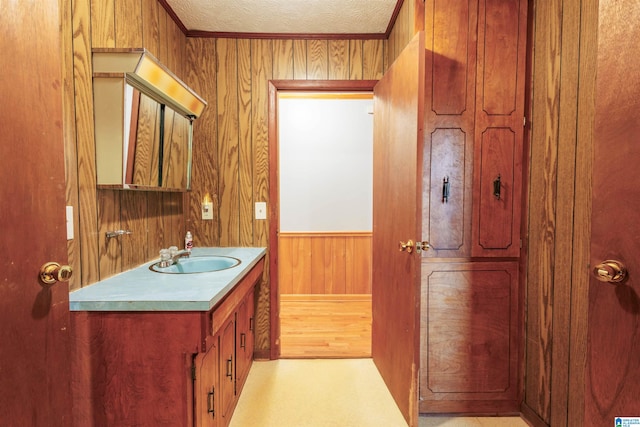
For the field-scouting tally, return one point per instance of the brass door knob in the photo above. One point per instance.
(408, 247)
(610, 271)
(53, 272)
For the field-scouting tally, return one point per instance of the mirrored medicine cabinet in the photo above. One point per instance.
(143, 122)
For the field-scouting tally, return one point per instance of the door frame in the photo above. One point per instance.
(276, 86)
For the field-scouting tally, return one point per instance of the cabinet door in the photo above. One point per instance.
(470, 339)
(450, 39)
(244, 340)
(499, 130)
(227, 370)
(206, 372)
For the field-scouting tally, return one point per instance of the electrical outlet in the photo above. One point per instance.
(207, 211)
(261, 210)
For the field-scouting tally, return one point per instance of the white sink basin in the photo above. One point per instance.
(197, 264)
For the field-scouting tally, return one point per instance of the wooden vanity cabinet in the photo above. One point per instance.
(158, 368)
(206, 388)
(235, 339)
(232, 323)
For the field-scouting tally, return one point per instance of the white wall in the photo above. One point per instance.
(325, 163)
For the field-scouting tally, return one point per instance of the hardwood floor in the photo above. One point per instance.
(325, 326)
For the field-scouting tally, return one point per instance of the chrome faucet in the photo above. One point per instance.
(179, 254)
(171, 255)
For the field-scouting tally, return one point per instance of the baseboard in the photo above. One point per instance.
(530, 416)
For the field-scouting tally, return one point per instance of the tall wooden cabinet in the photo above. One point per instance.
(471, 311)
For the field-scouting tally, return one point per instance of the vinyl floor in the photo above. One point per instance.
(330, 393)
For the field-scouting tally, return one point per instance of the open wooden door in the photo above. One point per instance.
(397, 207)
(34, 336)
(612, 386)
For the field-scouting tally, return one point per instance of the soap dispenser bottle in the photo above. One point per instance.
(188, 242)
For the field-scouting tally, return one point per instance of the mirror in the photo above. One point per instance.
(157, 151)
(143, 122)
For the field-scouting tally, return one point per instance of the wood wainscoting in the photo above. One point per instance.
(325, 294)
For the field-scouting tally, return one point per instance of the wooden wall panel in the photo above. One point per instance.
(563, 87)
(228, 153)
(69, 129)
(151, 26)
(256, 62)
(102, 17)
(373, 62)
(324, 263)
(338, 59)
(143, 23)
(155, 221)
(246, 166)
(128, 24)
(356, 57)
(317, 59)
(404, 29)
(202, 77)
(261, 73)
(110, 249)
(283, 59)
(87, 249)
(359, 271)
(300, 59)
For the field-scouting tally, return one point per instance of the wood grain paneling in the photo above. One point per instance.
(338, 59)
(151, 25)
(283, 59)
(246, 166)
(317, 59)
(234, 124)
(325, 326)
(105, 24)
(228, 146)
(102, 18)
(202, 77)
(70, 153)
(563, 87)
(87, 250)
(128, 25)
(336, 263)
(402, 31)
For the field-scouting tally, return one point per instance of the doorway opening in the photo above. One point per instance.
(321, 219)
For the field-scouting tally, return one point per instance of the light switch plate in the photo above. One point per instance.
(261, 210)
(69, 216)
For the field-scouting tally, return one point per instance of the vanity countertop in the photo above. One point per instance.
(141, 289)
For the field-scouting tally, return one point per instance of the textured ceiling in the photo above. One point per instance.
(285, 16)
